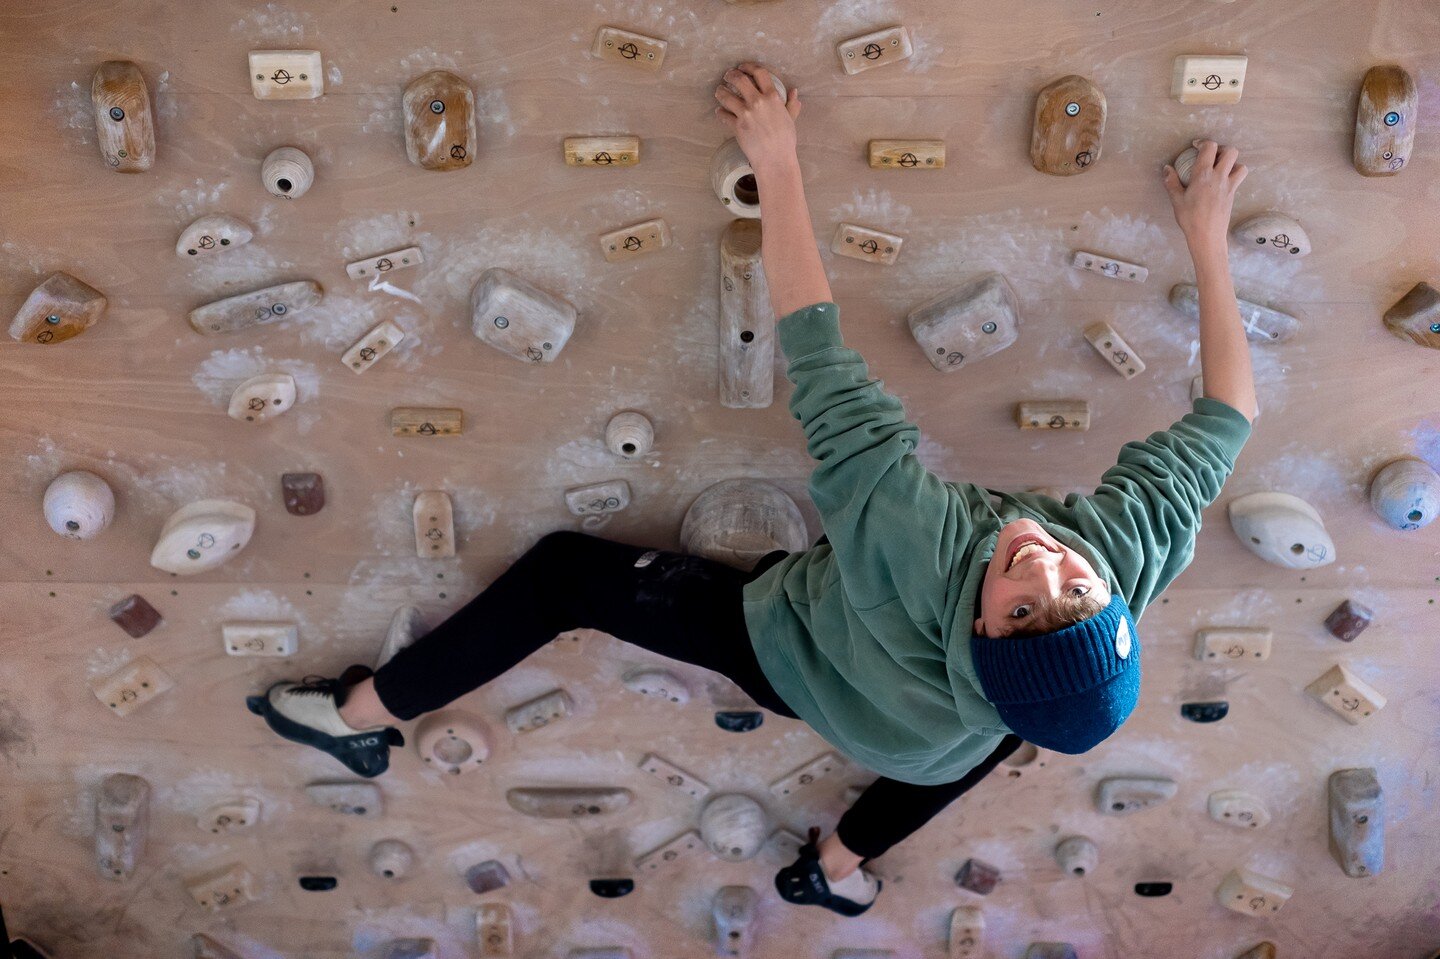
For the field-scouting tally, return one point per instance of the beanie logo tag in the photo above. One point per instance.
(1122, 639)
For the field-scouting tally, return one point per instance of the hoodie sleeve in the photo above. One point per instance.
(894, 526)
(1144, 515)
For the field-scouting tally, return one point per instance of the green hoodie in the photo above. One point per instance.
(866, 635)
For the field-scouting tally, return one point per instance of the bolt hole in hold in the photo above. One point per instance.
(1297, 548)
(629, 448)
(284, 185)
(747, 336)
(746, 191)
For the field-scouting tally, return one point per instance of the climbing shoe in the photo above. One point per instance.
(805, 883)
(308, 712)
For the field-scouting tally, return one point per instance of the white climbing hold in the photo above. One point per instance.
(1406, 493)
(79, 505)
(733, 826)
(202, 535)
(1281, 529)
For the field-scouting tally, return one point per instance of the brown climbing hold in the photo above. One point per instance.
(439, 121)
(487, 876)
(1069, 128)
(747, 321)
(135, 615)
(59, 309)
(1415, 317)
(123, 121)
(1348, 620)
(978, 876)
(518, 318)
(1385, 121)
(493, 930)
(304, 493)
(966, 324)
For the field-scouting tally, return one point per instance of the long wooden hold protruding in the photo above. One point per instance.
(1263, 324)
(1385, 121)
(123, 121)
(747, 322)
(439, 121)
(256, 308)
(58, 309)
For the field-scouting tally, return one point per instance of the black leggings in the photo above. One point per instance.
(684, 607)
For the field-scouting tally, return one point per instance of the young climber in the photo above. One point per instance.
(934, 624)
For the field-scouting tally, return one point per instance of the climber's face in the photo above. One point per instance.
(1034, 583)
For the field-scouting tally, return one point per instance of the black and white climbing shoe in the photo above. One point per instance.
(805, 883)
(308, 712)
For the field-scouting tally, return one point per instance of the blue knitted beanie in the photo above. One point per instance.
(1067, 690)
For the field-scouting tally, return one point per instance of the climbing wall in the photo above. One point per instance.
(141, 398)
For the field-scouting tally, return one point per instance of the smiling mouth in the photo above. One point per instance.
(1026, 547)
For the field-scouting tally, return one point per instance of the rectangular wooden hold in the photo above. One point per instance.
(426, 421)
(368, 350)
(1209, 79)
(374, 266)
(434, 517)
(132, 686)
(540, 711)
(635, 240)
(863, 243)
(612, 43)
(907, 154)
(967, 933)
(1232, 644)
(797, 779)
(223, 890)
(260, 639)
(493, 930)
(598, 498)
(1053, 415)
(122, 818)
(286, 74)
(1115, 351)
(1107, 266)
(256, 308)
(876, 49)
(1252, 894)
(1352, 699)
(135, 615)
(682, 847)
(672, 775)
(621, 150)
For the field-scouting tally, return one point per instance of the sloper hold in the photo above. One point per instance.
(122, 819)
(598, 499)
(659, 684)
(256, 308)
(303, 493)
(1077, 856)
(347, 798)
(967, 933)
(439, 121)
(493, 930)
(286, 74)
(487, 876)
(874, 49)
(1357, 822)
(733, 911)
(977, 876)
(1349, 696)
(132, 685)
(1050, 950)
(286, 172)
(1208, 712)
(1235, 807)
(1252, 894)
(60, 308)
(550, 802)
(738, 521)
(538, 712)
(518, 318)
(262, 397)
(1385, 121)
(202, 535)
(213, 233)
(1233, 643)
(1416, 317)
(1406, 493)
(78, 505)
(733, 826)
(391, 859)
(968, 323)
(123, 120)
(1348, 620)
(1274, 232)
(135, 615)
(747, 321)
(1123, 795)
(1281, 529)
(406, 626)
(225, 889)
(451, 742)
(1069, 127)
(434, 518)
(1262, 323)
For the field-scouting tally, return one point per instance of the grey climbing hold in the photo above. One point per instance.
(1357, 822)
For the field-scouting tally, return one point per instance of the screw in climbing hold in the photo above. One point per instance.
(437, 106)
(1392, 118)
(117, 114)
(1072, 109)
(988, 327)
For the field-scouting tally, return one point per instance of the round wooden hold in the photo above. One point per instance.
(629, 434)
(1406, 493)
(733, 826)
(287, 172)
(1184, 164)
(738, 521)
(1077, 856)
(79, 504)
(391, 859)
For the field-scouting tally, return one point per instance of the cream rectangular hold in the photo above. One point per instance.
(1053, 415)
(680, 848)
(673, 776)
(612, 43)
(426, 421)
(132, 686)
(599, 498)
(347, 798)
(1114, 349)
(1352, 699)
(223, 890)
(967, 933)
(434, 516)
(872, 50)
(907, 154)
(286, 74)
(1207, 80)
(1106, 266)
(797, 779)
(602, 151)
(368, 350)
(635, 240)
(384, 263)
(863, 243)
(260, 639)
(492, 930)
(540, 711)
(1232, 644)
(1252, 894)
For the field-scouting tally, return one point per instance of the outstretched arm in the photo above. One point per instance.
(1203, 211)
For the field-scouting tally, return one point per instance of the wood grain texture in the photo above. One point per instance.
(1339, 399)
(1069, 131)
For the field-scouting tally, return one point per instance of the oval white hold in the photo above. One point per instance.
(212, 234)
(1274, 232)
(203, 535)
(1406, 493)
(79, 505)
(1281, 529)
(733, 826)
(262, 397)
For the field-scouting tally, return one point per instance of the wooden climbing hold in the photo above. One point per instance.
(60, 308)
(1274, 232)
(123, 121)
(122, 819)
(1406, 493)
(1346, 694)
(966, 324)
(451, 742)
(733, 826)
(135, 615)
(1357, 822)
(260, 638)
(202, 535)
(426, 421)
(1108, 266)
(1114, 350)
(674, 777)
(434, 518)
(1209, 80)
(262, 397)
(1252, 894)
(303, 493)
(207, 948)
(739, 521)
(132, 686)
(538, 712)
(621, 150)
(1123, 795)
(978, 877)
(1416, 317)
(238, 815)
(874, 49)
(1050, 950)
(79, 505)
(1281, 529)
(1348, 620)
(659, 684)
(391, 859)
(629, 434)
(637, 239)
(967, 933)
(747, 321)
(863, 243)
(225, 889)
(598, 499)
(682, 847)
(733, 912)
(212, 234)
(367, 351)
(518, 318)
(417, 948)
(487, 876)
(1053, 415)
(287, 172)
(546, 802)
(625, 46)
(1077, 856)
(347, 798)
(1263, 324)
(439, 121)
(733, 179)
(1263, 950)
(906, 154)
(493, 930)
(1232, 643)
(821, 767)
(382, 263)
(1385, 121)
(256, 308)
(1069, 128)
(286, 74)
(1235, 807)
